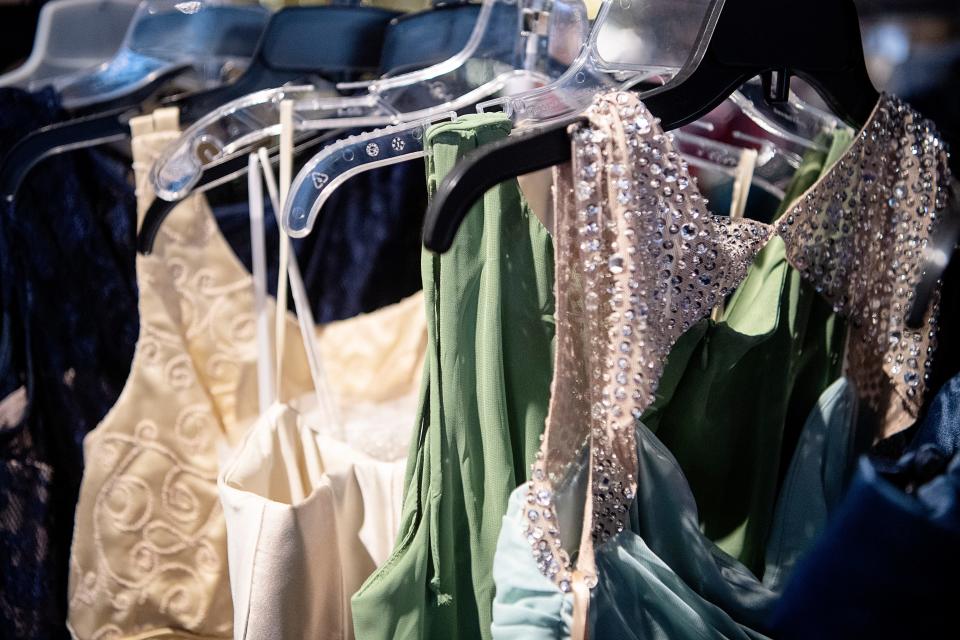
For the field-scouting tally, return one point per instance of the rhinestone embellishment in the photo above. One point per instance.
(636, 267)
(858, 236)
(640, 259)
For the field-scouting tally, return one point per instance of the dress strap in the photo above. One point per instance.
(290, 272)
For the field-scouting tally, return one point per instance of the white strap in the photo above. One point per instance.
(286, 162)
(325, 401)
(741, 183)
(265, 379)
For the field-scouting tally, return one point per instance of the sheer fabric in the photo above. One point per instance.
(640, 259)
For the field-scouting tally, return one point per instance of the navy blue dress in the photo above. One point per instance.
(68, 300)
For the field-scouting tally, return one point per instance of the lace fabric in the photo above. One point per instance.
(641, 259)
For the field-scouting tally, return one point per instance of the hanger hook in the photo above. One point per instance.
(776, 88)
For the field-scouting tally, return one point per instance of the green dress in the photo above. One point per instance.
(490, 307)
(735, 393)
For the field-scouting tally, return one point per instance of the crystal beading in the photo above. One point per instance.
(640, 260)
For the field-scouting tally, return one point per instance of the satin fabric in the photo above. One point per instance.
(149, 555)
(661, 578)
(489, 308)
(815, 482)
(312, 507)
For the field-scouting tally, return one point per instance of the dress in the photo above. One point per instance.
(640, 261)
(67, 327)
(489, 316)
(734, 393)
(149, 553)
(887, 564)
(312, 505)
(639, 594)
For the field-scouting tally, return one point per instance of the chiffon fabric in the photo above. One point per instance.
(489, 312)
(654, 579)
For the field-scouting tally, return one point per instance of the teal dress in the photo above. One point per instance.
(490, 308)
(662, 579)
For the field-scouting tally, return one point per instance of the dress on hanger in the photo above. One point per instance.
(734, 393)
(489, 313)
(68, 307)
(149, 556)
(640, 261)
(312, 500)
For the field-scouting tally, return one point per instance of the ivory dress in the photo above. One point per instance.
(149, 556)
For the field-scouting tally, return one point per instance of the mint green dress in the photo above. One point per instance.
(490, 308)
(734, 394)
(661, 579)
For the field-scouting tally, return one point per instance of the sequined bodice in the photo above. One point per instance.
(640, 259)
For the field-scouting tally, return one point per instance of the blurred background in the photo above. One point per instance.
(912, 48)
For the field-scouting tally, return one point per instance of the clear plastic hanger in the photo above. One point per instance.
(512, 41)
(711, 155)
(587, 74)
(72, 36)
(207, 39)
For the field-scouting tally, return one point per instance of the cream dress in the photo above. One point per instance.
(149, 556)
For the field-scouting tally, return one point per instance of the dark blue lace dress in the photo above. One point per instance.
(69, 322)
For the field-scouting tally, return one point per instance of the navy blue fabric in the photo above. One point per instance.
(941, 426)
(418, 39)
(887, 565)
(69, 305)
(364, 251)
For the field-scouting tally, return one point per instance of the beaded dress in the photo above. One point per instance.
(640, 260)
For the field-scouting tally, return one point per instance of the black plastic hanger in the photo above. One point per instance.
(334, 42)
(818, 41)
